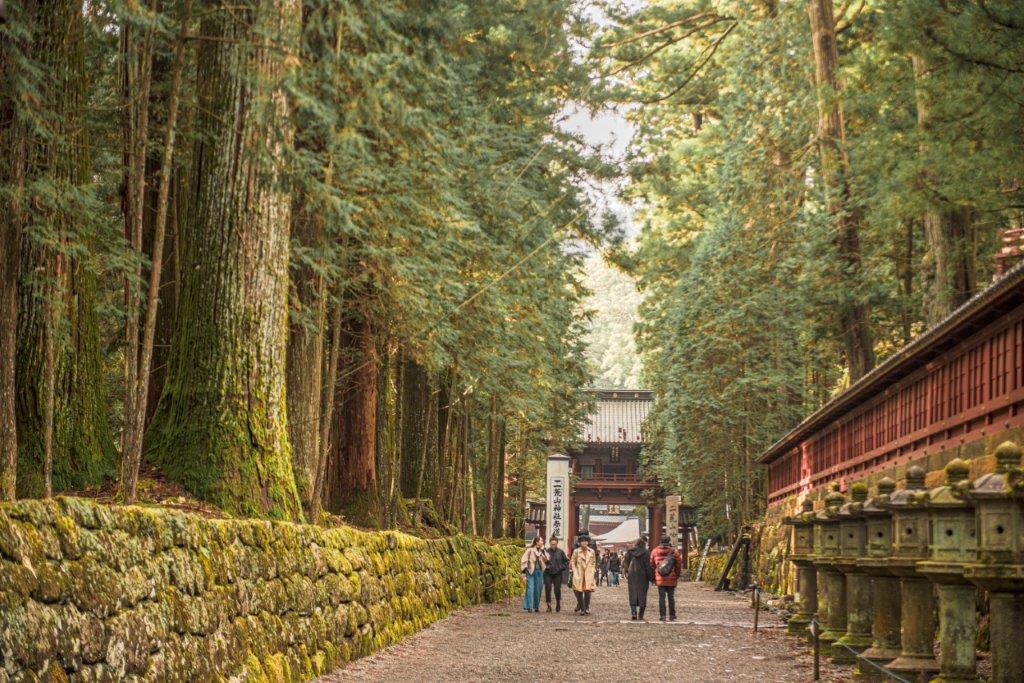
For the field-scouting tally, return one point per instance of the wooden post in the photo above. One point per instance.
(686, 548)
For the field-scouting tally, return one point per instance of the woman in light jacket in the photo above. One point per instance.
(532, 565)
(583, 564)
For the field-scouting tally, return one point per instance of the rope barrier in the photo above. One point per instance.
(816, 631)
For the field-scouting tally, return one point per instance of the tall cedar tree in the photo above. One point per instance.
(220, 428)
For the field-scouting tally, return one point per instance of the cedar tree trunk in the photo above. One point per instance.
(220, 428)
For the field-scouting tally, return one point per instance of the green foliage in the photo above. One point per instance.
(611, 346)
(737, 257)
(416, 138)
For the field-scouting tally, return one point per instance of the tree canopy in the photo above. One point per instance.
(804, 211)
(293, 256)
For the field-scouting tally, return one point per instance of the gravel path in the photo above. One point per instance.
(712, 641)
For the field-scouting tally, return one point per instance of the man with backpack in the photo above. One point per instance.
(667, 564)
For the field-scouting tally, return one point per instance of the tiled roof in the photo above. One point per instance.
(618, 416)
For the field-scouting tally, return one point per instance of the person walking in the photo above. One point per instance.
(605, 563)
(667, 564)
(639, 575)
(614, 567)
(532, 565)
(554, 573)
(583, 565)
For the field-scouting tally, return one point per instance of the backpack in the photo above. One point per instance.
(667, 564)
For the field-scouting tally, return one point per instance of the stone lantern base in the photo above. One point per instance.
(1005, 584)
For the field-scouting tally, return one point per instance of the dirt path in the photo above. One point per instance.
(712, 641)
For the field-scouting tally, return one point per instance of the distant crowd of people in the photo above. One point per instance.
(547, 567)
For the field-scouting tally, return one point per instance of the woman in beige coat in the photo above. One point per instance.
(583, 564)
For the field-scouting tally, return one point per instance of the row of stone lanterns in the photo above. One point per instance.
(869, 570)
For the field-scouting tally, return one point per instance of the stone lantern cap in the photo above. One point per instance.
(805, 516)
(1001, 482)
(910, 496)
(953, 494)
(858, 496)
(876, 504)
(833, 502)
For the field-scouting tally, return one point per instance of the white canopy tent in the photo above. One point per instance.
(624, 534)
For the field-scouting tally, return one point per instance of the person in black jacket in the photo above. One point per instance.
(614, 567)
(639, 575)
(554, 573)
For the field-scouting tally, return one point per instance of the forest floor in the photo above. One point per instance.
(713, 640)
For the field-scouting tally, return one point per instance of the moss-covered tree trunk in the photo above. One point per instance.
(418, 410)
(13, 144)
(56, 307)
(306, 334)
(220, 427)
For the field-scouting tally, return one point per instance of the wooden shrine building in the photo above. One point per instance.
(606, 469)
(955, 391)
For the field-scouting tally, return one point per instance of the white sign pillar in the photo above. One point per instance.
(558, 498)
(672, 518)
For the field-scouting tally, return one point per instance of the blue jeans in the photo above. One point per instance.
(534, 581)
(615, 578)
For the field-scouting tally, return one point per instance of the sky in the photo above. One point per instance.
(614, 301)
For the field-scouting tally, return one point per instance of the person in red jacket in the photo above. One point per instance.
(667, 563)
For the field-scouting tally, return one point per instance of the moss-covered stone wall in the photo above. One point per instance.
(99, 593)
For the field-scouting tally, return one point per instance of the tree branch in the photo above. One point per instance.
(662, 29)
(852, 19)
(999, 21)
(710, 52)
(977, 61)
(672, 41)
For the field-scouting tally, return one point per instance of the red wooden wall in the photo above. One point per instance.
(975, 388)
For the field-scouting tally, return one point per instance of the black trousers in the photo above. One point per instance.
(670, 593)
(583, 600)
(556, 581)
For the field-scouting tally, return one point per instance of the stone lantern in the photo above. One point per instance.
(910, 536)
(852, 546)
(999, 503)
(831, 582)
(803, 557)
(954, 544)
(885, 586)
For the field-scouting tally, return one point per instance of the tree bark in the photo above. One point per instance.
(416, 411)
(854, 324)
(491, 498)
(12, 175)
(306, 362)
(950, 267)
(60, 410)
(326, 416)
(499, 507)
(137, 395)
(356, 480)
(137, 79)
(220, 429)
